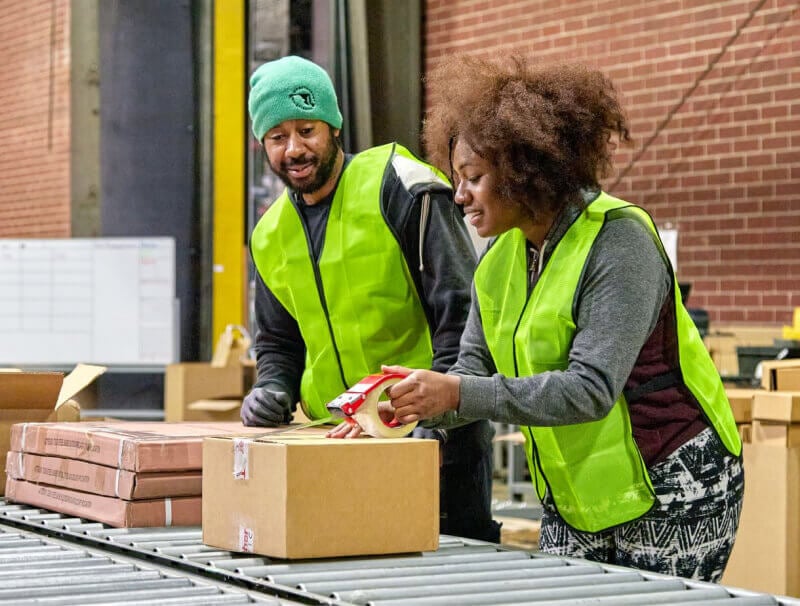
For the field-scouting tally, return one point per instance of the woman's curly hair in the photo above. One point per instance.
(546, 129)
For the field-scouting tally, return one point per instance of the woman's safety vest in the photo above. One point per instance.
(357, 307)
(594, 471)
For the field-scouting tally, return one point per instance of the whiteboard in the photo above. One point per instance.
(106, 301)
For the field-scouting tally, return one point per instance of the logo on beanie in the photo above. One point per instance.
(303, 98)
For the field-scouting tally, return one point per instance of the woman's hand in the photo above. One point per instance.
(423, 394)
(346, 429)
(350, 428)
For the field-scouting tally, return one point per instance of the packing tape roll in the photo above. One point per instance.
(370, 421)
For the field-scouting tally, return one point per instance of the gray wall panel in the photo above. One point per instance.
(147, 157)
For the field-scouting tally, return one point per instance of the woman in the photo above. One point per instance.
(577, 332)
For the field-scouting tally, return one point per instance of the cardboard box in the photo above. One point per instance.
(144, 446)
(781, 375)
(723, 339)
(102, 480)
(783, 406)
(183, 511)
(189, 382)
(741, 403)
(300, 496)
(722, 349)
(777, 434)
(37, 397)
(232, 348)
(766, 554)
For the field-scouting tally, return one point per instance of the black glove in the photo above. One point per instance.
(266, 408)
(430, 434)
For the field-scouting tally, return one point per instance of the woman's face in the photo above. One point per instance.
(476, 193)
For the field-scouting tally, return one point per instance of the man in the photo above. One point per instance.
(362, 261)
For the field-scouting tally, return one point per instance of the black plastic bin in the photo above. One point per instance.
(749, 357)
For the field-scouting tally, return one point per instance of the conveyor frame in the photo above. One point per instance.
(461, 571)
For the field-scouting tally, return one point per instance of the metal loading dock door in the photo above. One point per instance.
(50, 558)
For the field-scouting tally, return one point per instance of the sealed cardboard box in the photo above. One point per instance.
(99, 479)
(183, 511)
(301, 496)
(741, 403)
(781, 375)
(783, 406)
(766, 554)
(39, 396)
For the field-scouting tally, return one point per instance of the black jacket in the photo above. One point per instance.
(441, 258)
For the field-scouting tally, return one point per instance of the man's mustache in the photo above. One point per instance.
(300, 161)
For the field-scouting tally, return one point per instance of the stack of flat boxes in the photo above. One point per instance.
(120, 473)
(766, 555)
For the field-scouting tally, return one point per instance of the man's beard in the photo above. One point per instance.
(324, 169)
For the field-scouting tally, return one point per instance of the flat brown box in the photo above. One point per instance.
(300, 496)
(182, 511)
(780, 375)
(741, 403)
(102, 480)
(135, 446)
(766, 554)
(783, 406)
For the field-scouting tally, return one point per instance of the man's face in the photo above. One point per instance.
(303, 153)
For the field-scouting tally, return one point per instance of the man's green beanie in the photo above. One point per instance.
(291, 88)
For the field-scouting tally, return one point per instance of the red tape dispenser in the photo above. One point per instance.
(360, 404)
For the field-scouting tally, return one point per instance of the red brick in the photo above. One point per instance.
(34, 191)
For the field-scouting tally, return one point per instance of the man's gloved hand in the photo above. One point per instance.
(430, 434)
(266, 407)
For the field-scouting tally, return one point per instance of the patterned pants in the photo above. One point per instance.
(690, 530)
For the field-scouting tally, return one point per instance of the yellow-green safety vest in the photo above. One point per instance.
(356, 307)
(595, 472)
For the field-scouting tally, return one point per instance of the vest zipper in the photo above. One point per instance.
(533, 271)
(533, 268)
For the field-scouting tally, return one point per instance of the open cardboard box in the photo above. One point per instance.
(39, 396)
(781, 375)
(197, 391)
(301, 495)
(211, 391)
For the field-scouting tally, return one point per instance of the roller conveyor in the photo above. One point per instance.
(50, 558)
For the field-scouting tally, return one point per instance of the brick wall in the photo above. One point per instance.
(34, 118)
(713, 93)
